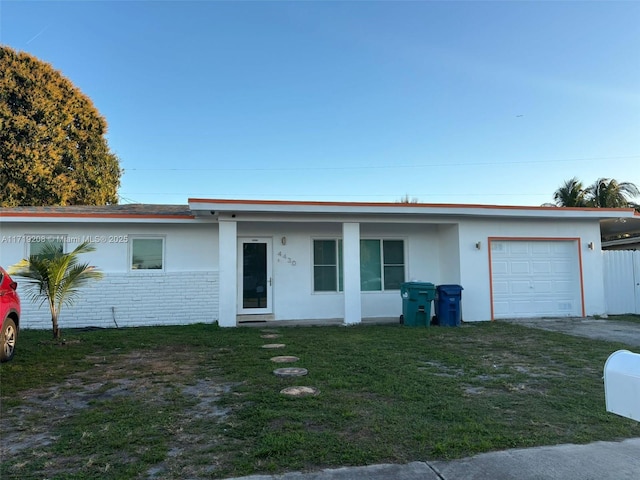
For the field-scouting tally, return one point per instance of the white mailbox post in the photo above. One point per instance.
(622, 384)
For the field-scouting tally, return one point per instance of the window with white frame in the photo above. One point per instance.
(382, 265)
(38, 244)
(327, 265)
(147, 253)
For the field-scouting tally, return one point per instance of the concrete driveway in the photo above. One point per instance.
(599, 329)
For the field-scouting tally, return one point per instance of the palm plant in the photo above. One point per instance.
(56, 278)
(571, 194)
(609, 193)
(604, 193)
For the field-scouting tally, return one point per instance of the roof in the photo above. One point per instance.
(613, 221)
(136, 210)
(201, 206)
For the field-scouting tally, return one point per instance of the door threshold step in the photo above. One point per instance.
(254, 318)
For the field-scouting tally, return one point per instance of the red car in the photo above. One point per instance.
(9, 316)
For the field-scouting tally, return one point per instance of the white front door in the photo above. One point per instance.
(535, 278)
(254, 276)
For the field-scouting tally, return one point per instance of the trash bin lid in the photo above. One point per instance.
(418, 285)
(450, 289)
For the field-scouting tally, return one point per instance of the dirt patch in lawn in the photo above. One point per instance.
(156, 377)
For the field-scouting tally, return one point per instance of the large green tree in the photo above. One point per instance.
(53, 149)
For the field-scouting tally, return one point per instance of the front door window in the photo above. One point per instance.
(255, 276)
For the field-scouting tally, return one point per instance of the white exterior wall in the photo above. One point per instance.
(351, 275)
(449, 254)
(475, 274)
(293, 295)
(442, 250)
(293, 269)
(228, 252)
(422, 253)
(188, 247)
(186, 291)
(127, 300)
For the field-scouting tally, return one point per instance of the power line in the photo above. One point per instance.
(262, 195)
(376, 167)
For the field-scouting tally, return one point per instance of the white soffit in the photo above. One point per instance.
(216, 207)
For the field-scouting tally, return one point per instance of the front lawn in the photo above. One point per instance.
(202, 402)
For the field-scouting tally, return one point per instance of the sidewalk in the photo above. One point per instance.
(595, 461)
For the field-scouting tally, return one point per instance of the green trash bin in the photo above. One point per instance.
(416, 303)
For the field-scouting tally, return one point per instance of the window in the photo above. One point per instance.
(393, 258)
(327, 265)
(147, 253)
(37, 244)
(370, 262)
(381, 265)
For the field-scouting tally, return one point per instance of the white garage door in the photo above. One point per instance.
(535, 278)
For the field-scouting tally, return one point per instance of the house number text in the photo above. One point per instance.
(282, 257)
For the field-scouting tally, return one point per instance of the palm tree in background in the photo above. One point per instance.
(609, 193)
(56, 277)
(603, 193)
(571, 194)
(408, 199)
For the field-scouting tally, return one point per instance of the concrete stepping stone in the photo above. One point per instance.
(290, 372)
(274, 345)
(300, 391)
(270, 335)
(269, 330)
(284, 359)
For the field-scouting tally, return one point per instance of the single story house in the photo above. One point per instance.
(232, 261)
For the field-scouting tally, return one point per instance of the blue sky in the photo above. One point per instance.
(447, 102)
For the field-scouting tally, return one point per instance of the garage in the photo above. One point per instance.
(535, 278)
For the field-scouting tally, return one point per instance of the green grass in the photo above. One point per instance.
(202, 402)
(625, 318)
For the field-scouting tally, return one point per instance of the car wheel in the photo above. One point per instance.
(8, 337)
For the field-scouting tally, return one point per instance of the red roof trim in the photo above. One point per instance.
(92, 215)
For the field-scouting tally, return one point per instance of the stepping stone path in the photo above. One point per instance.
(290, 372)
(297, 391)
(300, 391)
(284, 359)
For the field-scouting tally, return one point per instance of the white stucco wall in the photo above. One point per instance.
(185, 291)
(188, 247)
(188, 289)
(449, 254)
(293, 295)
(475, 273)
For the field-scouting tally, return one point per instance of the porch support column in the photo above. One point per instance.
(228, 272)
(351, 275)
